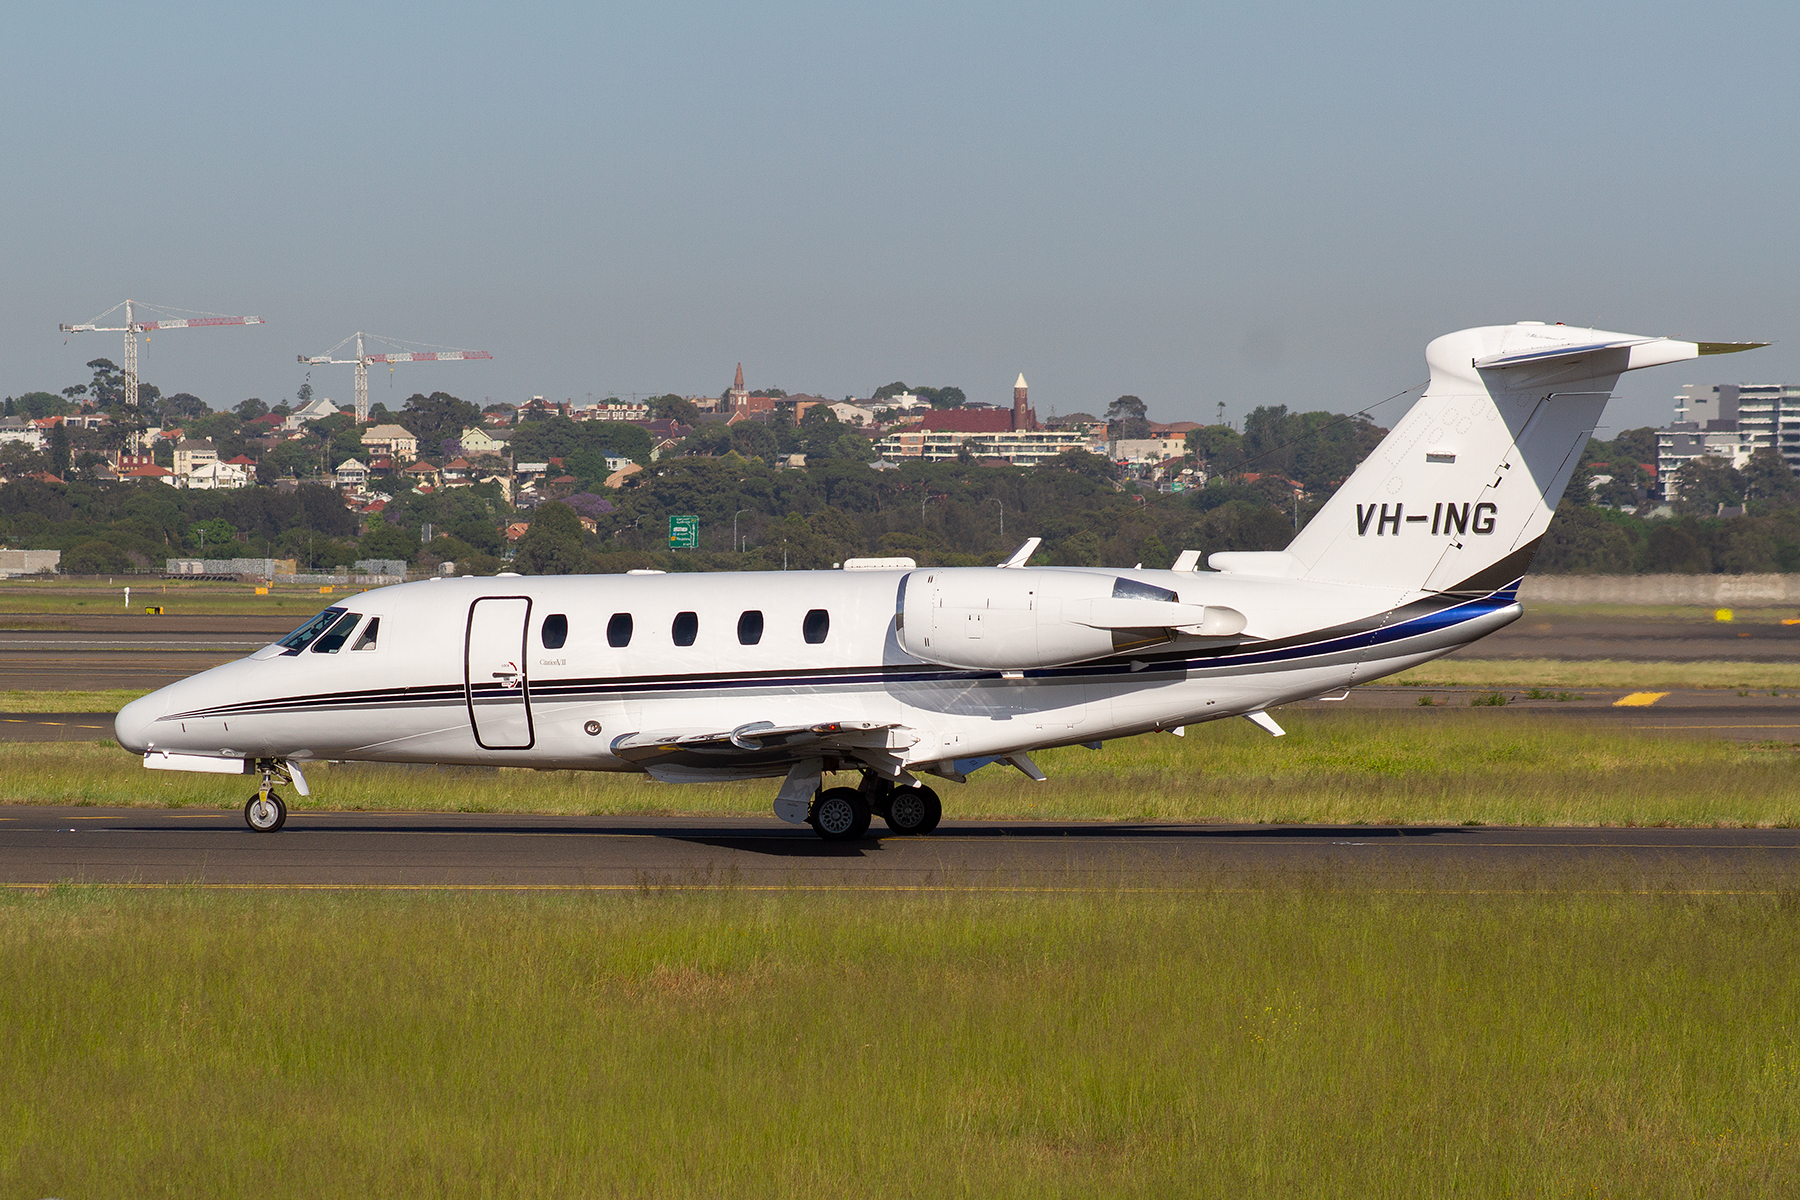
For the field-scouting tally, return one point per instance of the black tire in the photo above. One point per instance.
(840, 815)
(253, 814)
(914, 811)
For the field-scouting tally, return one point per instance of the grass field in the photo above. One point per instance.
(175, 596)
(1603, 673)
(109, 701)
(1449, 766)
(793, 1044)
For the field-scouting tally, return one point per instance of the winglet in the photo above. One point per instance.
(1023, 554)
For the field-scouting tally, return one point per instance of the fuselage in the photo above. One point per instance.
(552, 671)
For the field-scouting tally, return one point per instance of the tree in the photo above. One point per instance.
(59, 450)
(249, 410)
(552, 545)
(1768, 477)
(184, 406)
(305, 394)
(754, 439)
(942, 397)
(673, 408)
(1705, 483)
(108, 387)
(438, 416)
(94, 558)
(895, 388)
(1220, 447)
(38, 405)
(1128, 417)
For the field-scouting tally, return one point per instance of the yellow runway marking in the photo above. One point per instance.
(1722, 727)
(1638, 699)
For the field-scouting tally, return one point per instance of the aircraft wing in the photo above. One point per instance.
(763, 747)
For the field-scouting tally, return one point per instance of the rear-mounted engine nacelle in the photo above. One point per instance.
(987, 618)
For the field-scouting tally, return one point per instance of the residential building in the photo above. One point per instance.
(191, 453)
(215, 475)
(352, 474)
(477, 441)
(394, 441)
(1023, 448)
(614, 410)
(316, 409)
(21, 430)
(1146, 450)
(421, 474)
(1729, 421)
(1012, 434)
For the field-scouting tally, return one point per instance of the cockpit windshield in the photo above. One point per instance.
(334, 640)
(308, 633)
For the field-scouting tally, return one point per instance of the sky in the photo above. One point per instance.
(1246, 203)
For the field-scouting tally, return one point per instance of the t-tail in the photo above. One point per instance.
(1457, 497)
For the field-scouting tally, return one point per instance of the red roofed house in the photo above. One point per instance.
(152, 471)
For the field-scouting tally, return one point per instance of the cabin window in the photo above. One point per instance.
(618, 630)
(555, 631)
(1131, 589)
(367, 640)
(750, 627)
(816, 626)
(685, 628)
(333, 639)
(308, 633)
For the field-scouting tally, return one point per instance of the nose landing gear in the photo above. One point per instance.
(266, 812)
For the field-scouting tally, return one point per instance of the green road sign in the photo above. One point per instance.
(684, 533)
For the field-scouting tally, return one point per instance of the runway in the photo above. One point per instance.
(164, 847)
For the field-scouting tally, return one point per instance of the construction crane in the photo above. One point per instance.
(132, 327)
(363, 359)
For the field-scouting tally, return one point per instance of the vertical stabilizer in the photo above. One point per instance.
(1456, 498)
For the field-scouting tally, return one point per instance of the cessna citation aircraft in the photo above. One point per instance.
(892, 671)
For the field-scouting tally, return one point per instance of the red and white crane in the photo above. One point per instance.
(363, 359)
(132, 327)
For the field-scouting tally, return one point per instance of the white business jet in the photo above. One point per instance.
(891, 671)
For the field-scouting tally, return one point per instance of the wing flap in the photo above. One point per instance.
(760, 745)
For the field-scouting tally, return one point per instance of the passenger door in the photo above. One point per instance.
(494, 676)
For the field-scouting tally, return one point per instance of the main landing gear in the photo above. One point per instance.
(843, 814)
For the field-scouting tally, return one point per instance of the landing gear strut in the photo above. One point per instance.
(266, 812)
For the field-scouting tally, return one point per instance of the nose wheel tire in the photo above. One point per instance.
(265, 814)
(840, 815)
(913, 810)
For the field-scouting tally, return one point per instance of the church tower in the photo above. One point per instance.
(738, 397)
(1022, 416)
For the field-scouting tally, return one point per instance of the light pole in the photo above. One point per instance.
(995, 500)
(734, 517)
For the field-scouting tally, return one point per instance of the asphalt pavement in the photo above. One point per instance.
(164, 847)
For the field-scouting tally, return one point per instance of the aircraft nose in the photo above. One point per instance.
(132, 725)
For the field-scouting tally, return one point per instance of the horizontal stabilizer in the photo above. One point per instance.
(1499, 362)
